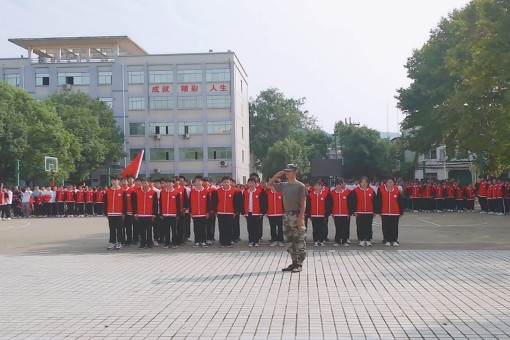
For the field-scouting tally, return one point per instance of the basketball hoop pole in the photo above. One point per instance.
(17, 172)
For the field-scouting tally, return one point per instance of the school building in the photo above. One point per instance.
(189, 111)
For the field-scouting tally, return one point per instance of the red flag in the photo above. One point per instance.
(134, 167)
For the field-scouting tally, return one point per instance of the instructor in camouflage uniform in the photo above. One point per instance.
(294, 204)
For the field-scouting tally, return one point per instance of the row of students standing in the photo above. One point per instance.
(493, 196)
(440, 196)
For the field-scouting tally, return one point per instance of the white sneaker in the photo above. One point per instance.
(316, 244)
(322, 244)
(387, 244)
(257, 244)
(204, 245)
(362, 243)
(250, 244)
(348, 241)
(196, 245)
(368, 243)
(499, 214)
(346, 244)
(395, 244)
(335, 244)
(281, 244)
(8, 218)
(111, 246)
(118, 246)
(273, 244)
(209, 243)
(156, 244)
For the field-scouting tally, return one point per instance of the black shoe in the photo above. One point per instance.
(141, 247)
(297, 268)
(289, 268)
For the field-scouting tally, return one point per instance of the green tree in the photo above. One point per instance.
(459, 92)
(274, 117)
(29, 131)
(91, 122)
(317, 143)
(283, 152)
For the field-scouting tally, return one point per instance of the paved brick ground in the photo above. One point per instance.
(349, 294)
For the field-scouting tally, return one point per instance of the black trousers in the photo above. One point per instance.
(169, 224)
(47, 209)
(450, 203)
(180, 229)
(6, 210)
(459, 204)
(128, 229)
(390, 227)
(342, 226)
(318, 225)
(490, 204)
(89, 208)
(136, 231)
(145, 224)
(60, 208)
(211, 227)
(200, 229)
(276, 226)
(415, 203)
(236, 228)
(500, 205)
(506, 204)
(470, 204)
(80, 208)
(226, 225)
(70, 208)
(156, 227)
(187, 226)
(253, 223)
(16, 208)
(483, 203)
(440, 204)
(364, 226)
(115, 225)
(98, 208)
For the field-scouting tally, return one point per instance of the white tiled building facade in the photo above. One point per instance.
(188, 111)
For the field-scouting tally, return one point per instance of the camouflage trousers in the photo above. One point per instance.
(294, 237)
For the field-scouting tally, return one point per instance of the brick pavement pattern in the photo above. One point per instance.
(352, 294)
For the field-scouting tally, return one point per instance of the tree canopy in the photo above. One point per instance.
(285, 151)
(459, 95)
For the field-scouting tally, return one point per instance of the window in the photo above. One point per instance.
(191, 154)
(242, 132)
(136, 129)
(161, 129)
(189, 103)
(160, 77)
(42, 79)
(242, 156)
(219, 153)
(104, 78)
(433, 154)
(161, 154)
(218, 102)
(12, 79)
(189, 76)
(222, 127)
(160, 103)
(136, 103)
(107, 100)
(135, 77)
(134, 152)
(192, 128)
(221, 74)
(241, 85)
(73, 78)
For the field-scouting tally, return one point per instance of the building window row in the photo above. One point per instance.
(160, 77)
(183, 103)
(189, 128)
(12, 79)
(74, 78)
(185, 154)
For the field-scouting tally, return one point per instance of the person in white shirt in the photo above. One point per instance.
(26, 194)
(6, 203)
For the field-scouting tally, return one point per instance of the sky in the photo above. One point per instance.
(345, 57)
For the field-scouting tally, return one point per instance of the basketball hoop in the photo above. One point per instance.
(51, 164)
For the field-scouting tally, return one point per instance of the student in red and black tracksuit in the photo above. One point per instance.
(341, 211)
(390, 205)
(439, 197)
(427, 197)
(450, 196)
(481, 193)
(236, 229)
(99, 201)
(275, 216)
(490, 194)
(227, 202)
(362, 198)
(60, 198)
(199, 207)
(318, 206)
(498, 197)
(254, 209)
(70, 198)
(89, 202)
(145, 209)
(506, 195)
(128, 212)
(114, 202)
(470, 198)
(80, 202)
(181, 218)
(458, 191)
(415, 197)
(211, 219)
(169, 209)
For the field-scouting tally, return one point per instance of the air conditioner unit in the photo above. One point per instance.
(185, 136)
(157, 171)
(66, 87)
(156, 136)
(223, 164)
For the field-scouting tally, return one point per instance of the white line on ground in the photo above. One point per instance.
(435, 224)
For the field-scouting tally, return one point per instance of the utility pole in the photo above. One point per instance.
(17, 172)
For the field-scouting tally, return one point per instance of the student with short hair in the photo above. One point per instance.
(226, 202)
(275, 210)
(114, 202)
(389, 203)
(362, 198)
(254, 209)
(145, 209)
(199, 206)
(317, 208)
(169, 210)
(341, 209)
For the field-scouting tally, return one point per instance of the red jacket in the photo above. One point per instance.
(274, 203)
(169, 203)
(89, 196)
(114, 200)
(470, 193)
(389, 202)
(426, 191)
(439, 192)
(70, 196)
(259, 202)
(490, 191)
(415, 191)
(128, 204)
(498, 191)
(60, 197)
(145, 203)
(450, 191)
(226, 202)
(199, 202)
(99, 196)
(363, 200)
(482, 189)
(340, 206)
(318, 204)
(459, 193)
(80, 196)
